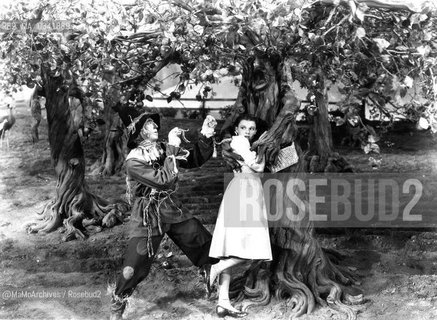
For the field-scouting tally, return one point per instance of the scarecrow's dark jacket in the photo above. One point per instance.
(160, 176)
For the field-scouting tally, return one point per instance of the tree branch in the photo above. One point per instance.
(150, 74)
(336, 25)
(380, 107)
(418, 6)
(138, 37)
(182, 5)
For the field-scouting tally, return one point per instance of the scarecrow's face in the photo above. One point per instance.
(150, 131)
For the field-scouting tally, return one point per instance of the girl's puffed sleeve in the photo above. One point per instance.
(241, 146)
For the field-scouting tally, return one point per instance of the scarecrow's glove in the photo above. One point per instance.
(208, 127)
(174, 137)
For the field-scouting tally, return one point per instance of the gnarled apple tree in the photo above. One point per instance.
(61, 66)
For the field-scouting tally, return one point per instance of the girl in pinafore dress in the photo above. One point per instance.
(241, 232)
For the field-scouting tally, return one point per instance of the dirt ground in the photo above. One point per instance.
(44, 278)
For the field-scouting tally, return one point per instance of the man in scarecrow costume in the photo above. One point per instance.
(152, 176)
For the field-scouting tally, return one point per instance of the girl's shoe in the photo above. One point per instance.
(223, 312)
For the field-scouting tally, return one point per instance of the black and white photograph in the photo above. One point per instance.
(218, 159)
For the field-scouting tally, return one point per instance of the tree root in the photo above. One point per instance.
(333, 255)
(304, 280)
(78, 212)
(335, 303)
(50, 220)
(42, 214)
(260, 294)
(76, 217)
(301, 297)
(113, 217)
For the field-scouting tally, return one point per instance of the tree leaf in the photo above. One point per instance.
(223, 71)
(402, 48)
(434, 126)
(424, 50)
(381, 43)
(423, 124)
(360, 33)
(427, 36)
(199, 29)
(359, 14)
(408, 81)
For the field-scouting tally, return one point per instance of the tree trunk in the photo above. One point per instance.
(322, 126)
(301, 270)
(35, 111)
(321, 156)
(74, 206)
(113, 155)
(118, 115)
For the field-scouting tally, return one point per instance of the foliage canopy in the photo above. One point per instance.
(370, 52)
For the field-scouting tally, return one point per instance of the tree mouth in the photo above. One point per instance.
(259, 79)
